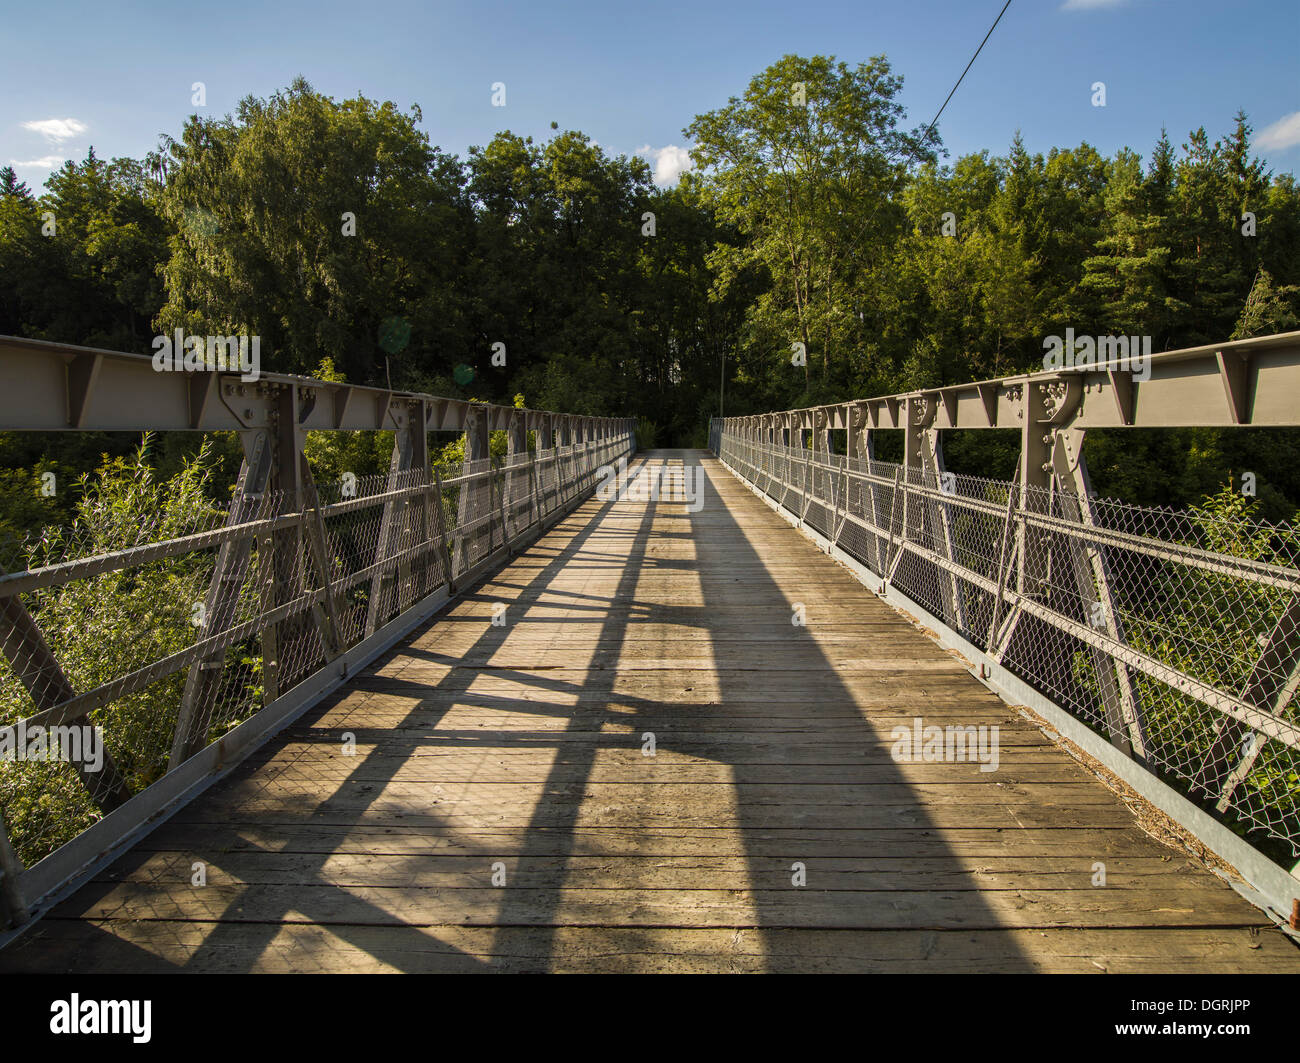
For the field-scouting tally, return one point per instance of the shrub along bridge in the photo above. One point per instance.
(509, 714)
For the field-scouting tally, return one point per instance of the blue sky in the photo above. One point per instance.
(632, 75)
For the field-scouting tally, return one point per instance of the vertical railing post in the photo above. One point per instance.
(915, 421)
(939, 515)
(416, 578)
(1034, 477)
(842, 508)
(290, 578)
(203, 681)
(1005, 557)
(1092, 579)
(516, 451)
(570, 444)
(823, 485)
(266, 602)
(327, 612)
(897, 519)
(475, 489)
(862, 450)
(558, 429)
(534, 469)
(428, 521)
(546, 456)
(410, 456)
(806, 456)
(1035, 492)
(445, 550)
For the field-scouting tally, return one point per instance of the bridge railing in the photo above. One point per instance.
(1174, 635)
(149, 652)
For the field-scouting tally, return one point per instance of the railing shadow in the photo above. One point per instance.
(805, 748)
(234, 933)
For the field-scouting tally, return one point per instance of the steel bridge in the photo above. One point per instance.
(554, 703)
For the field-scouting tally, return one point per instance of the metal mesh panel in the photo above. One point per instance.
(1175, 634)
(160, 633)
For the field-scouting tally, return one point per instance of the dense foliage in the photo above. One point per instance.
(335, 230)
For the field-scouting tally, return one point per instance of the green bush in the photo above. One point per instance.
(647, 434)
(105, 626)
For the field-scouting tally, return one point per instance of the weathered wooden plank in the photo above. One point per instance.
(614, 766)
(890, 909)
(106, 947)
(187, 835)
(705, 799)
(702, 871)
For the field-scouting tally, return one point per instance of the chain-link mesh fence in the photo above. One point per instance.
(1175, 634)
(134, 640)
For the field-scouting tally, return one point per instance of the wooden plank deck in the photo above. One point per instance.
(518, 748)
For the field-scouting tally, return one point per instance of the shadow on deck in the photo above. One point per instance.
(500, 811)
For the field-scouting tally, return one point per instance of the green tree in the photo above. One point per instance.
(1269, 308)
(327, 229)
(807, 166)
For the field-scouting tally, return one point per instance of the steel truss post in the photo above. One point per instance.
(786, 457)
(557, 462)
(203, 681)
(475, 502)
(862, 450)
(515, 473)
(820, 455)
(940, 516)
(1034, 476)
(327, 614)
(993, 645)
(403, 523)
(923, 461)
(546, 464)
(806, 457)
(569, 427)
(1093, 580)
(445, 572)
(294, 635)
(1035, 496)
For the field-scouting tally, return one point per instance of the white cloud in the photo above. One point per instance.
(57, 130)
(1284, 133)
(669, 163)
(1090, 5)
(47, 162)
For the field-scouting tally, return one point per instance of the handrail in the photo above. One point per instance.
(1136, 621)
(258, 609)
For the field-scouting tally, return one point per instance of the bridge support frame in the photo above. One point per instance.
(275, 574)
(475, 501)
(1094, 583)
(404, 523)
(253, 494)
(1052, 563)
(923, 467)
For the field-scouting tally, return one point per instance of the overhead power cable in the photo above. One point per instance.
(930, 127)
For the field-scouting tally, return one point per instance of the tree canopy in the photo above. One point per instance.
(814, 215)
